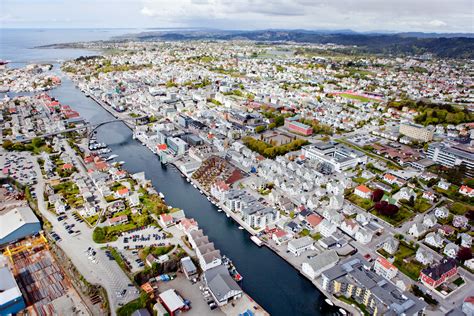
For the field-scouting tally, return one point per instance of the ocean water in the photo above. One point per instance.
(20, 46)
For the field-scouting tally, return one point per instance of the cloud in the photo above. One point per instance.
(437, 23)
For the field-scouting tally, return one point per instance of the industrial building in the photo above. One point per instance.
(17, 223)
(11, 299)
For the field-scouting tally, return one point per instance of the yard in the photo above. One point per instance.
(405, 263)
(366, 204)
(70, 192)
(402, 216)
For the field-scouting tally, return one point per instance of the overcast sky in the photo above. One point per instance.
(358, 15)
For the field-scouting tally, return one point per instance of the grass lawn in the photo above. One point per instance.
(459, 208)
(411, 268)
(364, 203)
(351, 301)
(92, 219)
(459, 281)
(402, 216)
(421, 205)
(360, 180)
(357, 97)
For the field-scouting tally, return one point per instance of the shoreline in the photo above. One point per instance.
(234, 216)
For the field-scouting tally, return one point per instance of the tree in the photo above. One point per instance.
(7, 145)
(98, 235)
(260, 128)
(464, 254)
(384, 208)
(377, 195)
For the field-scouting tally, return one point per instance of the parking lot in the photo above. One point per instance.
(19, 167)
(147, 237)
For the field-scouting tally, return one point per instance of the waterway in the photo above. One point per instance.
(268, 279)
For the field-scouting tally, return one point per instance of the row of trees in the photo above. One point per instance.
(270, 151)
(383, 207)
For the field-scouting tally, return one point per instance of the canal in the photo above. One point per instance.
(268, 279)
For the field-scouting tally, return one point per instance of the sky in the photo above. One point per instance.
(358, 15)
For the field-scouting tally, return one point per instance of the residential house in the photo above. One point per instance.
(446, 230)
(300, 245)
(467, 191)
(451, 250)
(364, 236)
(350, 226)
(424, 257)
(188, 267)
(466, 240)
(166, 220)
(433, 239)
(429, 220)
(391, 245)
(221, 285)
(441, 212)
(384, 268)
(134, 199)
(312, 222)
(117, 220)
(121, 193)
(316, 265)
(280, 236)
(60, 207)
(326, 228)
(460, 221)
(430, 196)
(363, 192)
(416, 230)
(443, 185)
(187, 225)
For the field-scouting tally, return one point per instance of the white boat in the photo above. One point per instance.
(241, 228)
(342, 311)
(256, 240)
(329, 302)
(227, 215)
(161, 195)
(194, 186)
(187, 179)
(111, 157)
(219, 210)
(121, 162)
(208, 199)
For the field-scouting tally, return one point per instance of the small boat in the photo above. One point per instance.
(187, 179)
(194, 186)
(121, 162)
(111, 157)
(208, 199)
(241, 228)
(329, 302)
(227, 215)
(161, 195)
(219, 210)
(342, 311)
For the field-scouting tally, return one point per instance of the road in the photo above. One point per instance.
(105, 272)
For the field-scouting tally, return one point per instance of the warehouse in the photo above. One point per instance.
(17, 223)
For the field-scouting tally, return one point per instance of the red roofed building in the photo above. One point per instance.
(384, 268)
(67, 166)
(312, 221)
(363, 191)
(166, 220)
(187, 225)
(101, 165)
(161, 147)
(121, 193)
(465, 190)
(280, 236)
(435, 275)
(122, 219)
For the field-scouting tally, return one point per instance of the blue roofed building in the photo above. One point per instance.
(18, 223)
(11, 299)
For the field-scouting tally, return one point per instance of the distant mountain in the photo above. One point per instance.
(440, 45)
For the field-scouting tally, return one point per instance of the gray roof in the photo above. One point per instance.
(323, 260)
(220, 282)
(301, 242)
(188, 264)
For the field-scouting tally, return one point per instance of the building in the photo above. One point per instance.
(320, 263)
(384, 268)
(417, 132)
(336, 157)
(363, 191)
(18, 223)
(300, 245)
(188, 267)
(172, 302)
(353, 279)
(221, 285)
(11, 299)
(122, 219)
(391, 245)
(178, 145)
(259, 216)
(435, 275)
(450, 155)
(299, 128)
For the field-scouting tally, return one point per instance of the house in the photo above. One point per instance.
(364, 236)
(150, 260)
(350, 226)
(443, 185)
(320, 263)
(59, 207)
(326, 228)
(280, 236)
(468, 306)
(469, 263)
(441, 212)
(446, 230)
(134, 199)
(466, 240)
(424, 256)
(221, 285)
(300, 245)
(390, 178)
(429, 220)
(166, 220)
(121, 193)
(460, 221)
(467, 191)
(391, 245)
(435, 275)
(430, 196)
(187, 225)
(117, 220)
(362, 219)
(433, 239)
(406, 193)
(384, 268)
(312, 222)
(451, 250)
(416, 230)
(188, 267)
(363, 192)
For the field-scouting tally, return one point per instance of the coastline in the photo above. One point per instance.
(351, 310)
